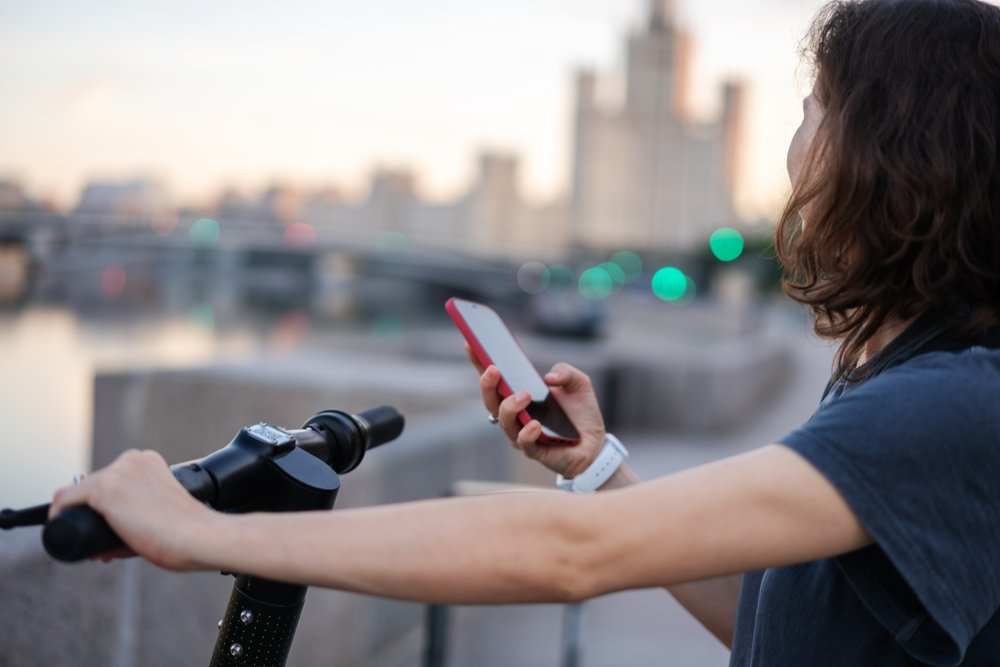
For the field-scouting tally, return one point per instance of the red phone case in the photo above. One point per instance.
(484, 359)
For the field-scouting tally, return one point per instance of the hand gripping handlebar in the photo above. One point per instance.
(237, 477)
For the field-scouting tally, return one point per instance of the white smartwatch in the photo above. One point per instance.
(612, 455)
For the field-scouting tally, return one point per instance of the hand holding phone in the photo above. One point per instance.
(492, 343)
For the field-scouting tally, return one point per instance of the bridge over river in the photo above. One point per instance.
(85, 257)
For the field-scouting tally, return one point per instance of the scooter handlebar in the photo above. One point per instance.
(336, 437)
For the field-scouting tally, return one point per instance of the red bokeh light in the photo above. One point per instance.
(300, 235)
(113, 280)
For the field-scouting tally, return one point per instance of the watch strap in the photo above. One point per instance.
(611, 457)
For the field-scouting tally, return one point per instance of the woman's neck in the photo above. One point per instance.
(885, 335)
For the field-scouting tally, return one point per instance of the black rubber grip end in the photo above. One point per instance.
(385, 423)
(77, 533)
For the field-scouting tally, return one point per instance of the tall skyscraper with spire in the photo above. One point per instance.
(646, 174)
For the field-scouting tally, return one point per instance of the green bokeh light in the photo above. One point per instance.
(629, 262)
(202, 315)
(387, 325)
(393, 241)
(690, 292)
(726, 243)
(596, 284)
(205, 233)
(670, 284)
(617, 274)
(561, 277)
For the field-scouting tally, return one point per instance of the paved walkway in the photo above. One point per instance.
(636, 628)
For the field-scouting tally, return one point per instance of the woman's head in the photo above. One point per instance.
(899, 180)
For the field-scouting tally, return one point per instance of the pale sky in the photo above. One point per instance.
(205, 94)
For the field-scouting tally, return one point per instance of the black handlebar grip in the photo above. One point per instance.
(383, 423)
(77, 533)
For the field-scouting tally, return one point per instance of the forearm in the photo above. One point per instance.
(762, 509)
(712, 602)
(517, 547)
(623, 477)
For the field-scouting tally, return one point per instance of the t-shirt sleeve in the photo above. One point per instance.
(915, 452)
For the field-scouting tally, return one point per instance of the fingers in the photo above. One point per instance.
(77, 493)
(507, 410)
(568, 377)
(90, 490)
(489, 382)
(527, 439)
(524, 438)
(124, 552)
(145, 505)
(510, 407)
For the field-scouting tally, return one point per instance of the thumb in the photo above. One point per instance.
(569, 378)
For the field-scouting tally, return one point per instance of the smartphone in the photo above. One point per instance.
(493, 343)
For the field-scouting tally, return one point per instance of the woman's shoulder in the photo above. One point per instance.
(942, 394)
(961, 371)
(975, 364)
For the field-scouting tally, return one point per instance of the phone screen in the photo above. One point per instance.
(516, 369)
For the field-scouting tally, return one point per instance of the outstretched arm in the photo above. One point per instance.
(712, 602)
(765, 508)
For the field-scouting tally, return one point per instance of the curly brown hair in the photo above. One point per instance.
(901, 188)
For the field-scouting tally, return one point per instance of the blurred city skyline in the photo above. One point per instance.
(203, 98)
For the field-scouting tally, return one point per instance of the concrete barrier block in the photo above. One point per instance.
(54, 615)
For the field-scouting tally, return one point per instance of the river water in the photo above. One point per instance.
(48, 359)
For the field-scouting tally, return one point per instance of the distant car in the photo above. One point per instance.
(565, 313)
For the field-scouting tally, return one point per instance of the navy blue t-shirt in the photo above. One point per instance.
(915, 451)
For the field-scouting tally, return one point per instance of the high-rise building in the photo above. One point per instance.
(646, 174)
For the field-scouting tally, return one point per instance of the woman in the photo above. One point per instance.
(869, 536)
